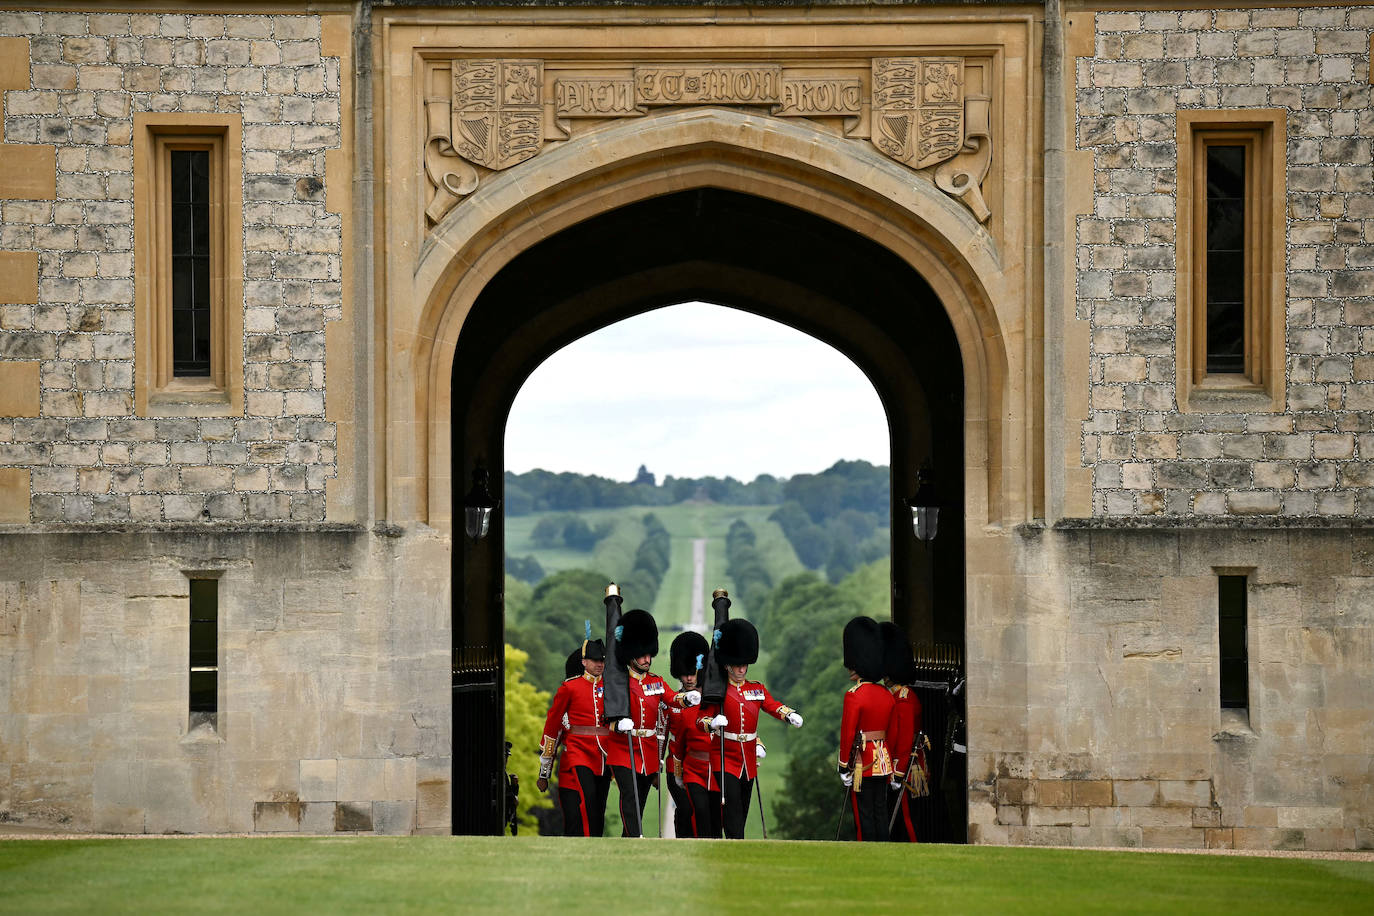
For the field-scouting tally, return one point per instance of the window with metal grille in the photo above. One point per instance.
(191, 265)
(204, 655)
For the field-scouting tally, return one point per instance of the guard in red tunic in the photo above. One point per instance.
(686, 656)
(582, 792)
(865, 763)
(635, 648)
(733, 723)
(902, 728)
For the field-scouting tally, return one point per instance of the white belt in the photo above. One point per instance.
(643, 732)
(747, 736)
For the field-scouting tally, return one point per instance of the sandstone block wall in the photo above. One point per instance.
(1094, 684)
(79, 78)
(334, 708)
(1313, 457)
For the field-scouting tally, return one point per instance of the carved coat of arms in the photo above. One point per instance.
(918, 108)
(497, 111)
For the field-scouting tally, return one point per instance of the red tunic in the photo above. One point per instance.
(586, 739)
(902, 726)
(646, 691)
(867, 708)
(698, 750)
(741, 707)
(678, 720)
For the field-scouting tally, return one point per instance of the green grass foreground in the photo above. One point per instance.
(555, 875)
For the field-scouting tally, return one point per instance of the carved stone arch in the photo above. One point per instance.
(705, 148)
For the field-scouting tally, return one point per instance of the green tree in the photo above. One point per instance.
(525, 711)
(547, 531)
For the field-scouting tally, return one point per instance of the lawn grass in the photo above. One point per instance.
(555, 875)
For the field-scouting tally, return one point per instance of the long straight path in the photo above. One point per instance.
(698, 620)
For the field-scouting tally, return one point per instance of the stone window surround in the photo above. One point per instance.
(157, 391)
(1262, 387)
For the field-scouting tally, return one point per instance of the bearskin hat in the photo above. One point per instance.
(899, 665)
(594, 650)
(636, 635)
(573, 666)
(683, 653)
(738, 643)
(863, 648)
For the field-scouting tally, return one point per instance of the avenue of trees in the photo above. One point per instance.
(834, 521)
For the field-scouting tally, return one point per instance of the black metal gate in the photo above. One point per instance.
(479, 792)
(942, 816)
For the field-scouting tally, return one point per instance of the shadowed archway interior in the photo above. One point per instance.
(745, 252)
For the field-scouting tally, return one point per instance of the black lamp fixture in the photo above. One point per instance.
(478, 506)
(925, 511)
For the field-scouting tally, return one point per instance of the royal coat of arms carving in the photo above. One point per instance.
(497, 111)
(918, 108)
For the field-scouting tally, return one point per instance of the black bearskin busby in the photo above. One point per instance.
(687, 647)
(738, 644)
(636, 635)
(573, 666)
(899, 665)
(863, 648)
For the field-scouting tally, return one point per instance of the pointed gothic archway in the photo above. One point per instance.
(736, 209)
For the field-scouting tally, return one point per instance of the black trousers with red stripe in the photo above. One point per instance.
(682, 808)
(870, 810)
(632, 819)
(584, 812)
(705, 812)
(904, 827)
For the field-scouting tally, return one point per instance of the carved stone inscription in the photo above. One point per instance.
(719, 84)
(816, 98)
(497, 110)
(918, 108)
(595, 98)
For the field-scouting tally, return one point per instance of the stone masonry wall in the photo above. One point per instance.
(1094, 691)
(92, 460)
(334, 686)
(1316, 458)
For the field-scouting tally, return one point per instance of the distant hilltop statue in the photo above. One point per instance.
(645, 476)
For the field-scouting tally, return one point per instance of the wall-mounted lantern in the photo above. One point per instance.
(925, 511)
(478, 506)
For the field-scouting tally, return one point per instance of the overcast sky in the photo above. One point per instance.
(695, 390)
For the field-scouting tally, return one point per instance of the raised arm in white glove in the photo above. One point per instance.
(794, 719)
(760, 751)
(719, 722)
(624, 725)
(691, 697)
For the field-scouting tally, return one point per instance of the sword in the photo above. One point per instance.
(906, 776)
(634, 781)
(854, 749)
(722, 779)
(758, 787)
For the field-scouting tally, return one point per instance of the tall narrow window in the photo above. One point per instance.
(204, 655)
(1225, 263)
(1231, 259)
(188, 242)
(1235, 662)
(190, 253)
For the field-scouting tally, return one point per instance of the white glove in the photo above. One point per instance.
(760, 751)
(691, 698)
(545, 767)
(678, 779)
(719, 722)
(794, 719)
(624, 725)
(847, 779)
(894, 784)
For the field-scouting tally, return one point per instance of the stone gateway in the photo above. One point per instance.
(1110, 267)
